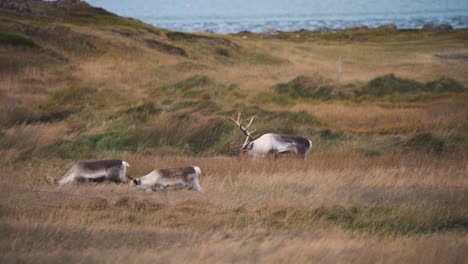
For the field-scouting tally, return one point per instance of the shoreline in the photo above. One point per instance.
(382, 28)
(319, 29)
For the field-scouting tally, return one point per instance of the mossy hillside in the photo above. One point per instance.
(206, 45)
(187, 82)
(14, 42)
(213, 138)
(224, 50)
(191, 127)
(69, 12)
(135, 126)
(219, 136)
(66, 41)
(85, 98)
(61, 33)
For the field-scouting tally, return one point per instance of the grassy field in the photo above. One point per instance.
(386, 180)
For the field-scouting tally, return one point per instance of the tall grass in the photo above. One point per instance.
(345, 197)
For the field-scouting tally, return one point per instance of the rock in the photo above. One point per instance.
(357, 28)
(387, 27)
(323, 29)
(271, 31)
(431, 27)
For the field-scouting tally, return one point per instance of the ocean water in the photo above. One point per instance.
(231, 16)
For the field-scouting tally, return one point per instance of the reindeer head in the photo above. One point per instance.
(248, 144)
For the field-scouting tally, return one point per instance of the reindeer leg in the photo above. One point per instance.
(122, 173)
(277, 153)
(196, 185)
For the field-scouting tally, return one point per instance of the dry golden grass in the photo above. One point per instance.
(132, 65)
(362, 61)
(151, 245)
(253, 210)
(441, 118)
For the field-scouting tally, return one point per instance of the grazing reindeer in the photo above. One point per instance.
(271, 142)
(96, 171)
(160, 179)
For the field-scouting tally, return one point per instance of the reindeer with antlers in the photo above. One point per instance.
(270, 142)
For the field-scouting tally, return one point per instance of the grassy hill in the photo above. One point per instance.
(118, 83)
(387, 172)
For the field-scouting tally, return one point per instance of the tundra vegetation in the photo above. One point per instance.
(386, 180)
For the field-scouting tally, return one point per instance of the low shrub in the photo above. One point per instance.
(313, 86)
(444, 84)
(390, 84)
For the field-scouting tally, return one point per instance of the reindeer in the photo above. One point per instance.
(96, 171)
(160, 179)
(270, 142)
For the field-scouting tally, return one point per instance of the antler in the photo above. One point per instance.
(244, 130)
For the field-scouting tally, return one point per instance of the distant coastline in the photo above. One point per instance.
(308, 25)
(226, 17)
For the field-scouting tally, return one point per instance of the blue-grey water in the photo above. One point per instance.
(231, 16)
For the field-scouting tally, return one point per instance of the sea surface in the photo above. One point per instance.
(231, 16)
